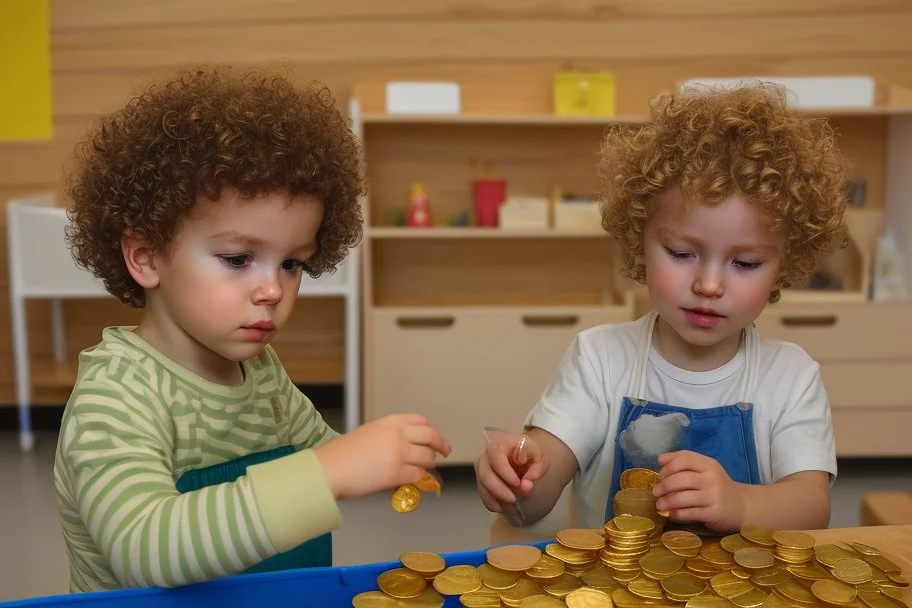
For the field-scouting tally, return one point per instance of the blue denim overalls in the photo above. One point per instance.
(725, 433)
(313, 553)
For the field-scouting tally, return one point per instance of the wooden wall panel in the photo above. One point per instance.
(104, 51)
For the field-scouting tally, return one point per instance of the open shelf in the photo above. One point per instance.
(474, 232)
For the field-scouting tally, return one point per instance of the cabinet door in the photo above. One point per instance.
(466, 369)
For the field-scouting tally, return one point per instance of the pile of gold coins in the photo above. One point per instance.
(630, 563)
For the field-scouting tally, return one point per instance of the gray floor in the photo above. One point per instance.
(32, 560)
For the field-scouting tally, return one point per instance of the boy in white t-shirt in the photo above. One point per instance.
(721, 200)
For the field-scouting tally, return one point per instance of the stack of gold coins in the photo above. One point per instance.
(628, 541)
(794, 548)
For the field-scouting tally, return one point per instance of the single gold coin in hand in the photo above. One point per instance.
(429, 483)
(406, 498)
(754, 557)
(513, 558)
(401, 583)
(586, 597)
(639, 478)
(374, 599)
(422, 562)
(457, 580)
(584, 539)
(833, 592)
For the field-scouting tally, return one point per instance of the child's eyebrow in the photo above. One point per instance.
(753, 247)
(239, 237)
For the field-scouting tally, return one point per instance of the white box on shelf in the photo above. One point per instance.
(524, 212)
(577, 214)
(422, 98)
(807, 91)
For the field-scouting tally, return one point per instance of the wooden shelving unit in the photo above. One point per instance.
(466, 325)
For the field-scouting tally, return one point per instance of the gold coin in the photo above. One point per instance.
(374, 599)
(660, 565)
(741, 573)
(581, 538)
(795, 591)
(480, 599)
(541, 601)
(680, 542)
(770, 577)
(754, 557)
(546, 567)
(600, 579)
(708, 600)
(853, 571)
(894, 592)
(495, 578)
(728, 585)
(700, 565)
(734, 542)
(522, 589)
(715, 554)
(833, 592)
(429, 483)
(899, 579)
(513, 558)
(401, 583)
(586, 597)
(569, 556)
(752, 599)
(422, 562)
(457, 580)
(828, 555)
(580, 571)
(793, 540)
(684, 585)
(646, 588)
(864, 549)
(406, 498)
(774, 600)
(883, 563)
(561, 586)
(878, 600)
(812, 572)
(633, 524)
(429, 598)
(639, 478)
(760, 535)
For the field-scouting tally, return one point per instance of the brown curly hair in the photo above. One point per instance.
(143, 168)
(714, 143)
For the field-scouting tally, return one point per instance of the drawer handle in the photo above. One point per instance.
(550, 320)
(425, 322)
(809, 321)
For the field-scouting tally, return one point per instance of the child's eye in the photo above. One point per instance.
(678, 255)
(292, 265)
(741, 265)
(235, 261)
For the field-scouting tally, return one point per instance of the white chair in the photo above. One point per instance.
(41, 266)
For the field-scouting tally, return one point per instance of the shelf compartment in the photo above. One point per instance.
(494, 272)
(467, 368)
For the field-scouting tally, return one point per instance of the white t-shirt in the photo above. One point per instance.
(582, 403)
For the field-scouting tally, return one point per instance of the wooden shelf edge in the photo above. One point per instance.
(474, 232)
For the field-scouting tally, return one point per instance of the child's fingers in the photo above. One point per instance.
(494, 482)
(499, 462)
(681, 461)
(420, 455)
(488, 500)
(685, 480)
(427, 436)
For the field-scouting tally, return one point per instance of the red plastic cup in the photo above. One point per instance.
(489, 195)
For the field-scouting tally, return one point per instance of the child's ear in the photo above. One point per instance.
(140, 260)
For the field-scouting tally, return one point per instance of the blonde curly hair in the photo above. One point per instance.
(715, 143)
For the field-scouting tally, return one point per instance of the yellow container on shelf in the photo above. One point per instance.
(584, 94)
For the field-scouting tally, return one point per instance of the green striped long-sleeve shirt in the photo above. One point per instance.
(135, 422)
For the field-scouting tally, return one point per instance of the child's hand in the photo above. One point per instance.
(696, 488)
(505, 474)
(381, 454)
